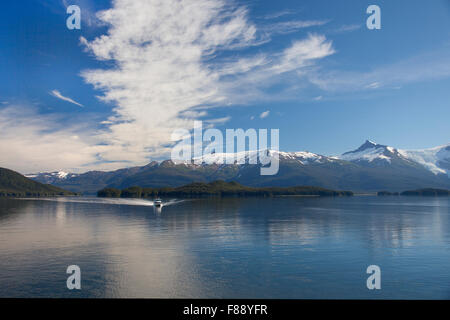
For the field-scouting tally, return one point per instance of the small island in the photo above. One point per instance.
(219, 189)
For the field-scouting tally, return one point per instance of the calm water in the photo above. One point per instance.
(231, 248)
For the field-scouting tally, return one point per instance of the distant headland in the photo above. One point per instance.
(13, 184)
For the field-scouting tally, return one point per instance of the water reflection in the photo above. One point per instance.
(254, 248)
(157, 210)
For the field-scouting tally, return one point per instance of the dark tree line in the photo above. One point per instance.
(218, 188)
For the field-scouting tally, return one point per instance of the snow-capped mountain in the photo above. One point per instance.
(436, 160)
(371, 167)
(51, 177)
(257, 156)
(371, 151)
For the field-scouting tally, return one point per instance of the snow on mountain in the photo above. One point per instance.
(369, 152)
(55, 174)
(230, 158)
(62, 174)
(258, 156)
(437, 159)
(305, 157)
(51, 177)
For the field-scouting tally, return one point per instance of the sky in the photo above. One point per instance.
(110, 95)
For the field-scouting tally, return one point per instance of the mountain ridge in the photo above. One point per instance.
(371, 167)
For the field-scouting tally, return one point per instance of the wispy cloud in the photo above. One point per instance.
(303, 53)
(290, 67)
(279, 14)
(164, 72)
(287, 27)
(345, 28)
(373, 85)
(166, 68)
(264, 114)
(58, 95)
(424, 67)
(32, 142)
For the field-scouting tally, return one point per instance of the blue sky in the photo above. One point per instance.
(110, 94)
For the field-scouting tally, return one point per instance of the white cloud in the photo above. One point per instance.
(302, 53)
(165, 70)
(346, 28)
(287, 27)
(264, 114)
(58, 95)
(279, 14)
(424, 67)
(33, 142)
(290, 67)
(373, 85)
(164, 76)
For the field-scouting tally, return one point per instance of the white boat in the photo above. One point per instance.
(157, 202)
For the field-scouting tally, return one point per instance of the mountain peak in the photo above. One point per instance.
(368, 144)
(370, 151)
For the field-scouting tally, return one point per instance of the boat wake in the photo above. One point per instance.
(109, 201)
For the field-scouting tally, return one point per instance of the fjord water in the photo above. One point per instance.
(226, 248)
